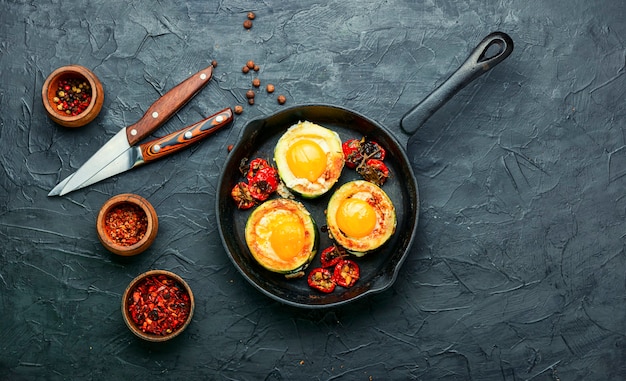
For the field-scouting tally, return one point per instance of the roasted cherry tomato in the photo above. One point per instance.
(372, 150)
(241, 194)
(356, 151)
(352, 152)
(255, 166)
(331, 256)
(346, 273)
(321, 279)
(374, 170)
(264, 183)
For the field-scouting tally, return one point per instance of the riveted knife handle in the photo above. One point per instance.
(180, 139)
(166, 106)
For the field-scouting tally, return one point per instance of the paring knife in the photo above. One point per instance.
(157, 114)
(153, 150)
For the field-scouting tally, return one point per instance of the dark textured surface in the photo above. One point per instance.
(518, 268)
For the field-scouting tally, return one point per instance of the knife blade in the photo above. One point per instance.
(157, 114)
(153, 150)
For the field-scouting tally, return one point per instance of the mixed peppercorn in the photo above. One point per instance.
(159, 305)
(72, 97)
(126, 224)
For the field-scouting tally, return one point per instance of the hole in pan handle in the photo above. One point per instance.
(492, 50)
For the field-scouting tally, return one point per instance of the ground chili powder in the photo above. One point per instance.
(159, 305)
(126, 224)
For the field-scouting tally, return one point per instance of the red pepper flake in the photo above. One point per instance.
(159, 305)
(126, 224)
(72, 97)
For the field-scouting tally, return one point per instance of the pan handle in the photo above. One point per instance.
(492, 50)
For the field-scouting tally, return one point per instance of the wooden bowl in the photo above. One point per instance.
(127, 224)
(72, 73)
(135, 297)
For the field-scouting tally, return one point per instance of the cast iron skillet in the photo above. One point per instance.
(379, 269)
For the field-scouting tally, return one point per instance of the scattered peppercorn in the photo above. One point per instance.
(251, 16)
(230, 147)
(250, 94)
(250, 101)
(281, 99)
(245, 69)
(250, 64)
(214, 63)
(256, 82)
(270, 88)
(73, 96)
(247, 24)
(256, 68)
(238, 109)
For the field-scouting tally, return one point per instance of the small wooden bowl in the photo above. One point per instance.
(135, 206)
(128, 300)
(51, 85)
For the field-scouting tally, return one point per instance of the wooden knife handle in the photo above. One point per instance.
(168, 105)
(180, 139)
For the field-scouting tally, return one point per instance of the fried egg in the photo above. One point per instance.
(360, 217)
(309, 159)
(282, 236)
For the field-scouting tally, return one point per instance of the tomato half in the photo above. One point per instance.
(241, 194)
(331, 256)
(346, 273)
(321, 279)
(255, 166)
(352, 152)
(356, 151)
(372, 150)
(263, 183)
(375, 171)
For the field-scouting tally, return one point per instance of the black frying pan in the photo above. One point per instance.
(378, 270)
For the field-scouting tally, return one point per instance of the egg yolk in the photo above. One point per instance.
(306, 159)
(356, 218)
(287, 236)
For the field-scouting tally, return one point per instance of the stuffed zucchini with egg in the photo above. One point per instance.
(360, 217)
(309, 159)
(282, 236)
